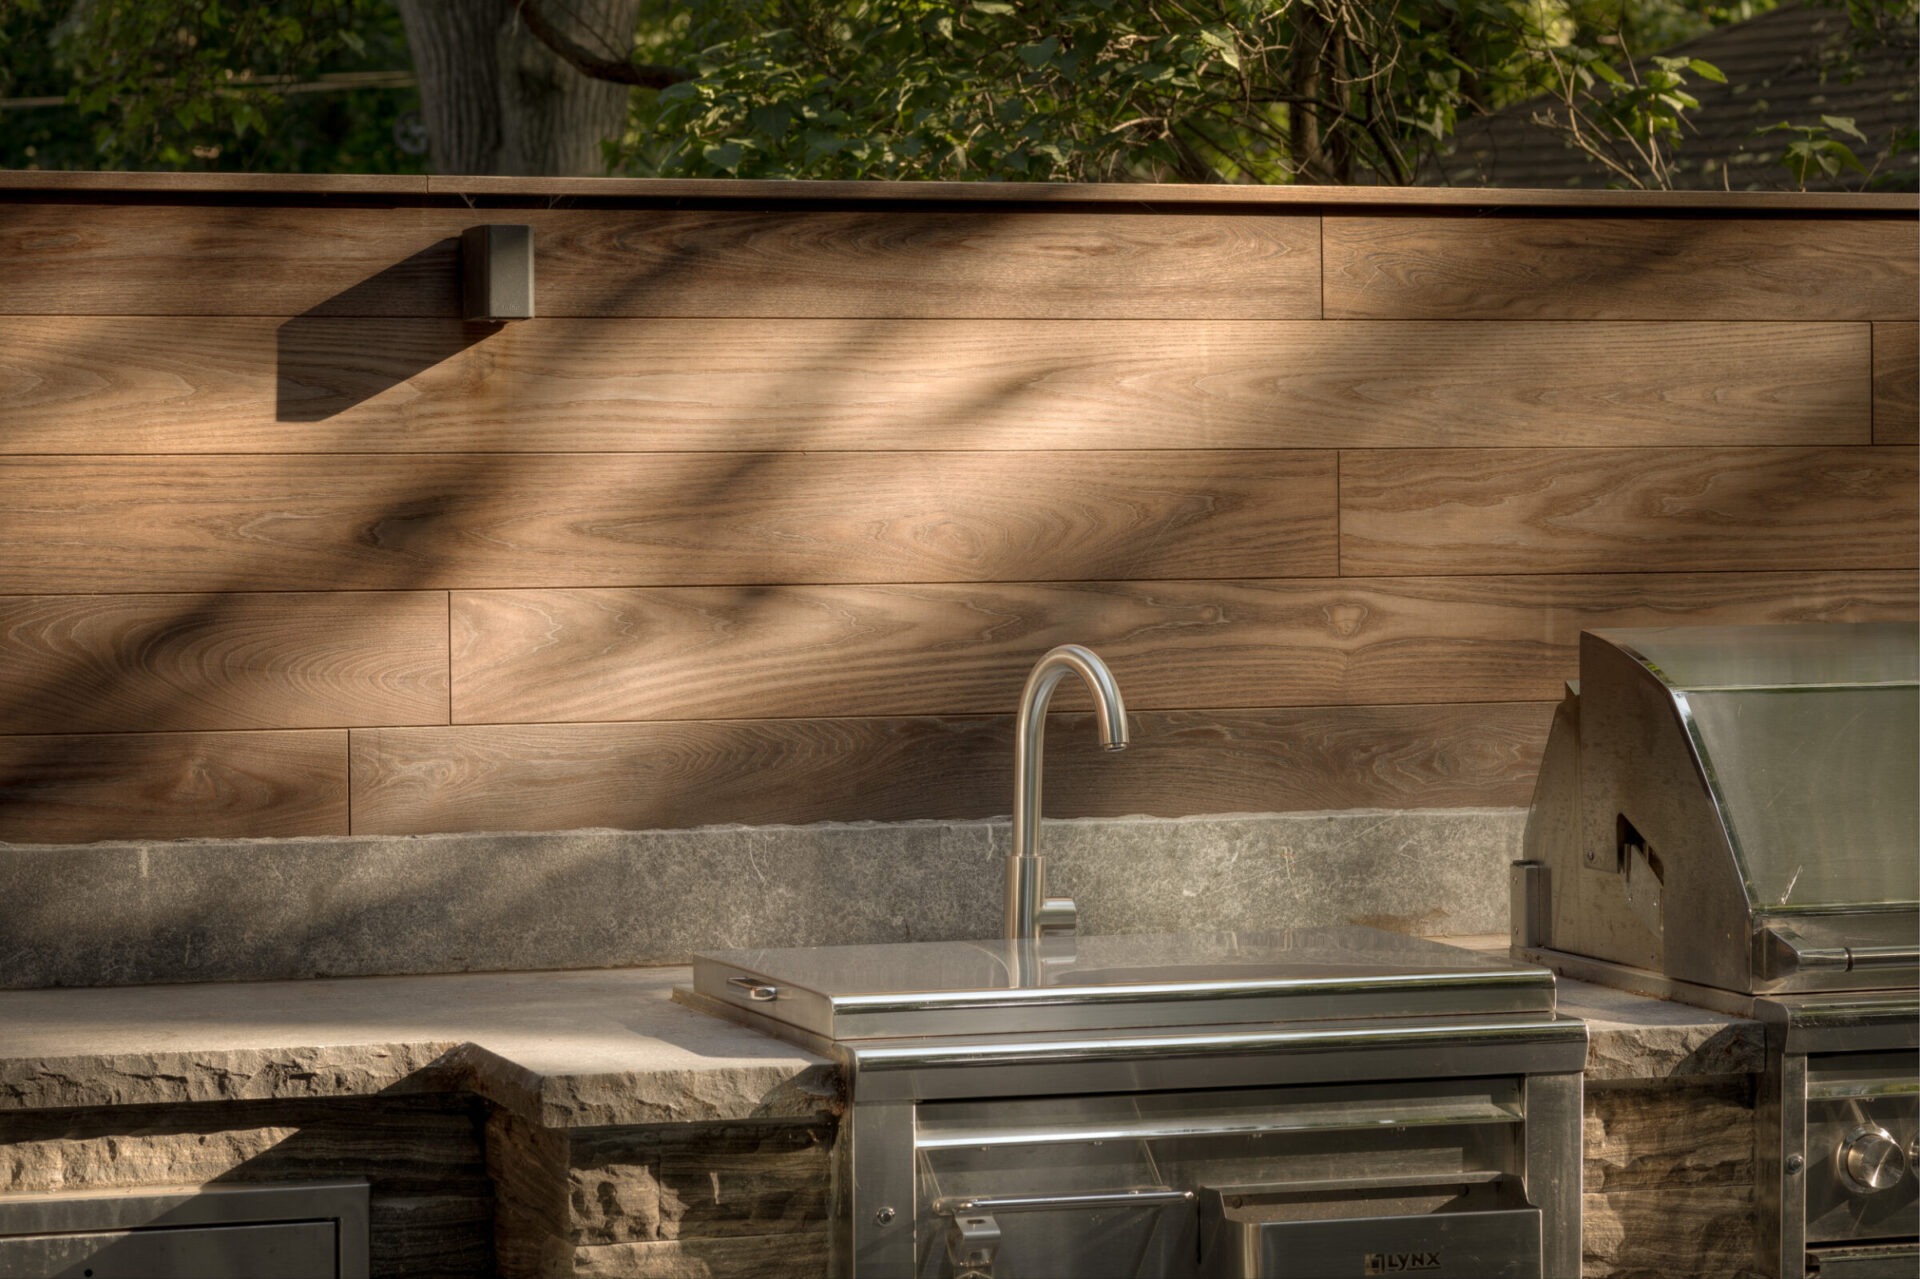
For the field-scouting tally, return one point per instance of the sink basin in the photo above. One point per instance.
(841, 994)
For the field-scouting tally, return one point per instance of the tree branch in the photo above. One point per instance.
(587, 63)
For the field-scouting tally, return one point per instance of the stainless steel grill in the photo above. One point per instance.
(1316, 1102)
(1730, 816)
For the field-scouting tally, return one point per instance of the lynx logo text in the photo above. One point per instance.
(1400, 1263)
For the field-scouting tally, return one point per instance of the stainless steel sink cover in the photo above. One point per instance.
(843, 993)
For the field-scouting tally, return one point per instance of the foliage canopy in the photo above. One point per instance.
(1269, 91)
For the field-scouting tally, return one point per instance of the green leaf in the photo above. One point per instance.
(1845, 125)
(1706, 70)
(1038, 55)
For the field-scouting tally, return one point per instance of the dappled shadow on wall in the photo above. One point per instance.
(339, 354)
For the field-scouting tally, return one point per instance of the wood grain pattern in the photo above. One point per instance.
(1896, 384)
(412, 521)
(64, 789)
(667, 775)
(887, 263)
(121, 663)
(241, 260)
(1649, 268)
(157, 259)
(549, 656)
(330, 384)
(1626, 510)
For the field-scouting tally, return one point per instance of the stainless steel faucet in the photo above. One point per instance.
(1031, 914)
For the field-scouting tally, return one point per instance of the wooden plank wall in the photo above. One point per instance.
(766, 515)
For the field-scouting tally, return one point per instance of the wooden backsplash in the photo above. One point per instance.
(767, 514)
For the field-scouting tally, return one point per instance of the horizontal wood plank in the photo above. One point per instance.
(1541, 268)
(64, 789)
(157, 259)
(813, 651)
(885, 263)
(135, 663)
(1627, 510)
(86, 384)
(667, 775)
(237, 522)
(1896, 384)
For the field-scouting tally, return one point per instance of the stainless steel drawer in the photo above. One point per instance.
(308, 1230)
(1436, 1231)
(289, 1250)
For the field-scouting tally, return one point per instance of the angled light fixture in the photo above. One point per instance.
(496, 266)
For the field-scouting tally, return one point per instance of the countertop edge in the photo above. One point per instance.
(668, 1064)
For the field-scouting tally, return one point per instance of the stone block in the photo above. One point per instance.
(1654, 1138)
(253, 910)
(743, 1179)
(790, 1256)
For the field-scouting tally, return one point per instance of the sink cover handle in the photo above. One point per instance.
(760, 992)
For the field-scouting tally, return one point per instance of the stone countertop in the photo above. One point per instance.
(566, 1049)
(563, 1049)
(1638, 1038)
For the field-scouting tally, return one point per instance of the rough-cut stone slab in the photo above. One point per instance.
(1633, 1037)
(430, 1200)
(794, 1256)
(258, 910)
(1697, 1231)
(743, 1179)
(687, 1181)
(431, 1237)
(1427, 873)
(212, 1074)
(561, 1049)
(615, 1196)
(1660, 1137)
(423, 1146)
(528, 1165)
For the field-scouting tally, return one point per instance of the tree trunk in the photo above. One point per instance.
(496, 100)
(1304, 136)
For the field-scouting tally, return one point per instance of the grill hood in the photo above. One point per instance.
(1734, 807)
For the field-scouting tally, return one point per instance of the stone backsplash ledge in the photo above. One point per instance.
(251, 910)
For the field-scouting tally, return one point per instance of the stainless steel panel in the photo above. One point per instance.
(1447, 1231)
(1883, 1261)
(289, 1250)
(1806, 654)
(1062, 1185)
(1555, 1117)
(1226, 1058)
(1854, 1101)
(1817, 790)
(1755, 782)
(337, 1207)
(978, 1125)
(850, 993)
(877, 1213)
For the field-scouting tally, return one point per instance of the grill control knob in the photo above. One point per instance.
(1870, 1159)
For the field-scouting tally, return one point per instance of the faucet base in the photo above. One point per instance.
(1057, 916)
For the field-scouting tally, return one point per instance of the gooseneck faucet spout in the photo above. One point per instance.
(1031, 914)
